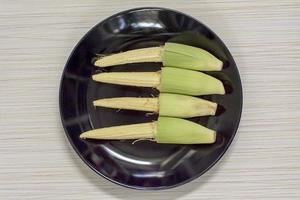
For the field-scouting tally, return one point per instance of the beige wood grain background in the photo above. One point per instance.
(36, 161)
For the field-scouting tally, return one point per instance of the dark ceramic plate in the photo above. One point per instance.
(145, 164)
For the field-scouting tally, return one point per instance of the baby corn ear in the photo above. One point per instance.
(133, 131)
(169, 80)
(165, 130)
(138, 79)
(189, 57)
(151, 54)
(171, 55)
(171, 105)
(130, 103)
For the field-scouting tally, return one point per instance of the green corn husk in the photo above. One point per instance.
(183, 106)
(171, 55)
(169, 80)
(189, 57)
(182, 81)
(180, 131)
(172, 105)
(164, 130)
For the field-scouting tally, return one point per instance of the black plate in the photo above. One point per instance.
(145, 164)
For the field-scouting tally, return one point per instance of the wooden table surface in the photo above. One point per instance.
(36, 160)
